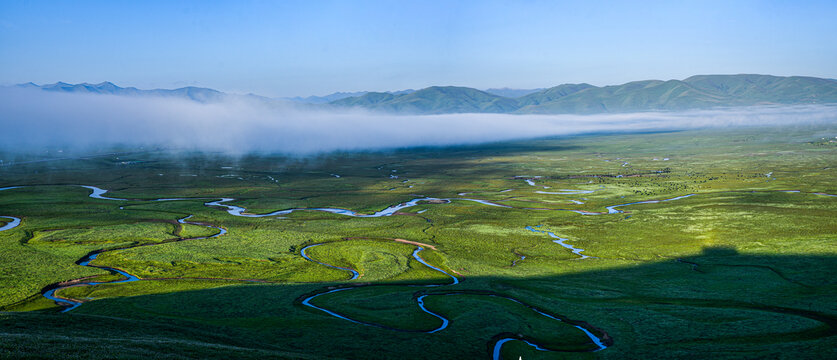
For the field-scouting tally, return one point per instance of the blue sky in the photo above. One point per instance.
(288, 48)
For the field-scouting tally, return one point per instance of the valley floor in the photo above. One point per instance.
(699, 243)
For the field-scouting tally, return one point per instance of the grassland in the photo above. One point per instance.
(741, 269)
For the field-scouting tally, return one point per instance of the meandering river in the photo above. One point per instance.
(560, 241)
(302, 253)
(421, 304)
(11, 224)
(70, 304)
(234, 210)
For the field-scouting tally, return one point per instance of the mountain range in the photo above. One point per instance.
(505, 92)
(337, 96)
(189, 92)
(512, 93)
(696, 92)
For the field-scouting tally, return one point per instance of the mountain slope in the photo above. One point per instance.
(327, 98)
(765, 88)
(338, 96)
(696, 92)
(633, 96)
(434, 100)
(189, 92)
(511, 93)
(551, 94)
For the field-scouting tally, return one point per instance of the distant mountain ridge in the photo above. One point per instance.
(433, 100)
(696, 92)
(512, 93)
(189, 92)
(337, 96)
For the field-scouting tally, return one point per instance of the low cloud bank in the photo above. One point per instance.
(33, 119)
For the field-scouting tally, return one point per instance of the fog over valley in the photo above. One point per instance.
(32, 119)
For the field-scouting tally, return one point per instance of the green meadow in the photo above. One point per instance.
(742, 268)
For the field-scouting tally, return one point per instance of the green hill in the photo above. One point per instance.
(366, 100)
(633, 96)
(696, 92)
(766, 88)
(435, 100)
(551, 94)
(108, 88)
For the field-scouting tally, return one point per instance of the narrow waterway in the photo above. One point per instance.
(302, 253)
(560, 241)
(11, 224)
(70, 304)
(98, 193)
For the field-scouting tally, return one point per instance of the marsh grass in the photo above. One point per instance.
(739, 270)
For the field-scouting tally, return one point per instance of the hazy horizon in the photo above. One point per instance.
(366, 91)
(41, 119)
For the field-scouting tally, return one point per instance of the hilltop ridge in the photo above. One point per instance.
(695, 92)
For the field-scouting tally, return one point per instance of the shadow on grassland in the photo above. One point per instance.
(719, 304)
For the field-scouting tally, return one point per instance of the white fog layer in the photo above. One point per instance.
(34, 118)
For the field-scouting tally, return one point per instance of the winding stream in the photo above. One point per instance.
(565, 192)
(445, 321)
(14, 221)
(355, 274)
(11, 224)
(600, 345)
(420, 302)
(499, 345)
(70, 304)
(307, 302)
(240, 211)
(612, 209)
(560, 241)
(419, 259)
(98, 193)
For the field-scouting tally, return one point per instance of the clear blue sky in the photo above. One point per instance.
(287, 48)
